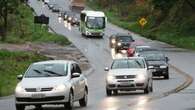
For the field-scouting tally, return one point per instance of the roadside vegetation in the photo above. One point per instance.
(13, 64)
(20, 28)
(171, 21)
(17, 27)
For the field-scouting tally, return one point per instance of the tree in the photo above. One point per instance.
(7, 7)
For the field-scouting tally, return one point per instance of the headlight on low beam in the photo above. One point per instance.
(110, 78)
(119, 44)
(60, 87)
(19, 89)
(113, 41)
(141, 77)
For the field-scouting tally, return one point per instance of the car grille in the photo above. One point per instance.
(40, 99)
(131, 85)
(125, 81)
(38, 90)
(125, 76)
(95, 34)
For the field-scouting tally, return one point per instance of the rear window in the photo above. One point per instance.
(125, 38)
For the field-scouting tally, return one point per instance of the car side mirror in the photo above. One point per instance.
(106, 69)
(19, 77)
(150, 67)
(75, 75)
(133, 40)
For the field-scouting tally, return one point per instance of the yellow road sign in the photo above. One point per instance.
(142, 22)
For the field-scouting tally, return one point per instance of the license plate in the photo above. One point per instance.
(38, 95)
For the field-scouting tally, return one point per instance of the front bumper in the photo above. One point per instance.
(126, 85)
(26, 98)
(160, 71)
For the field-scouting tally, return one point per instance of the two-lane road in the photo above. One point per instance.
(98, 53)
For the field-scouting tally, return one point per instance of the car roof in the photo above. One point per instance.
(93, 13)
(126, 58)
(54, 61)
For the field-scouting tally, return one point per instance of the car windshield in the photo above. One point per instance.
(128, 63)
(149, 56)
(47, 70)
(96, 22)
(142, 49)
(125, 38)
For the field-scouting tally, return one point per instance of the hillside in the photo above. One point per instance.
(171, 21)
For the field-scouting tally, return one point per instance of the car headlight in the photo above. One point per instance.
(60, 87)
(119, 44)
(163, 66)
(110, 78)
(70, 18)
(113, 41)
(19, 89)
(141, 77)
(88, 33)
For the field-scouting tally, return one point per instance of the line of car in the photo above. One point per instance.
(136, 71)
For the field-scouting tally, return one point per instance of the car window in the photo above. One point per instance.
(47, 70)
(153, 56)
(125, 38)
(128, 63)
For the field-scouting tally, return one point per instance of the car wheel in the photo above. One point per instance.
(38, 107)
(108, 92)
(146, 90)
(115, 92)
(83, 101)
(166, 76)
(69, 104)
(20, 107)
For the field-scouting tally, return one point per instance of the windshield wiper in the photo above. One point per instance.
(37, 71)
(54, 73)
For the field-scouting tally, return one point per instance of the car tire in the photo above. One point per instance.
(166, 76)
(108, 92)
(115, 92)
(146, 90)
(69, 104)
(83, 101)
(20, 107)
(38, 107)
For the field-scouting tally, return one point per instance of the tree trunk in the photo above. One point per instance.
(5, 22)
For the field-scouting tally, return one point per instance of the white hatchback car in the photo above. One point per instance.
(51, 82)
(127, 74)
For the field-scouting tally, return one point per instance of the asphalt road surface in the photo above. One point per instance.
(98, 53)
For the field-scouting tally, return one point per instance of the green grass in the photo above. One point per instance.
(22, 29)
(13, 64)
(180, 37)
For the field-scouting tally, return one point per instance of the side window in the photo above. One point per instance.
(72, 69)
(78, 70)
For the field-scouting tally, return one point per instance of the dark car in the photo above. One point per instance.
(159, 62)
(121, 41)
(56, 8)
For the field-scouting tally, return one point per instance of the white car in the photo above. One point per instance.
(143, 48)
(127, 74)
(51, 82)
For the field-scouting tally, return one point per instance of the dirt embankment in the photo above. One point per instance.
(52, 51)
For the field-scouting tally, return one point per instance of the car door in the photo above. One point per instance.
(75, 82)
(81, 81)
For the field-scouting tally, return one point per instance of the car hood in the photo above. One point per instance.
(156, 62)
(42, 82)
(127, 71)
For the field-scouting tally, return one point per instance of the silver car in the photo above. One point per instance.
(51, 82)
(127, 74)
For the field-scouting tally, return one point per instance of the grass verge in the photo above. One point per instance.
(22, 29)
(13, 64)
